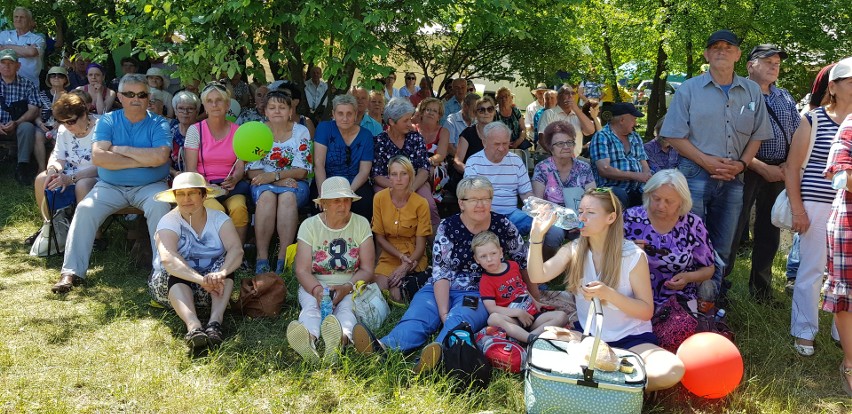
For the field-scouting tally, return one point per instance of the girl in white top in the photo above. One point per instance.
(601, 264)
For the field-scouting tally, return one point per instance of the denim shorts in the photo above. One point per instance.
(301, 191)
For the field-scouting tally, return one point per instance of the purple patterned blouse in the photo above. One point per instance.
(684, 249)
(546, 173)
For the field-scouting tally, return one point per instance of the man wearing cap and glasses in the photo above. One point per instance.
(716, 121)
(618, 155)
(19, 107)
(764, 178)
(567, 110)
(533, 107)
(131, 149)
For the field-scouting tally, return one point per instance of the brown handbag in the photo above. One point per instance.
(261, 296)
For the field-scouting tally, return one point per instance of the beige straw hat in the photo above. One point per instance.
(336, 187)
(188, 180)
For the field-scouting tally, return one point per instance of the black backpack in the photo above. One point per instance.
(463, 361)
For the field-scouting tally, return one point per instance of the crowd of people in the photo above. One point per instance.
(657, 220)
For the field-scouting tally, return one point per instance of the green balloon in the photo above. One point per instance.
(252, 141)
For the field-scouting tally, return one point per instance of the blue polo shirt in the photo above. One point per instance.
(150, 132)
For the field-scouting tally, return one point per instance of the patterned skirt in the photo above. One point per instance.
(158, 285)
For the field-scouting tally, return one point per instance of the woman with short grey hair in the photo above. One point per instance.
(343, 149)
(186, 106)
(401, 138)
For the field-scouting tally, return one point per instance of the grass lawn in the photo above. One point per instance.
(104, 349)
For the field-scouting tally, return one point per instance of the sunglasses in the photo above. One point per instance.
(55, 75)
(71, 122)
(140, 95)
(485, 109)
(279, 94)
(214, 85)
(601, 190)
(410, 78)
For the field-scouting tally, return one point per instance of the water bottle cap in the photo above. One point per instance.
(721, 312)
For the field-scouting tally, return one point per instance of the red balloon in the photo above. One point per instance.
(714, 366)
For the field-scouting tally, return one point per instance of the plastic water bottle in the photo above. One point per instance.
(566, 218)
(325, 304)
(462, 335)
(720, 314)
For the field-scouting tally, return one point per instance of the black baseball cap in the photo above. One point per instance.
(624, 108)
(723, 36)
(766, 50)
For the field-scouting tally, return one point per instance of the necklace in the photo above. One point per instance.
(88, 126)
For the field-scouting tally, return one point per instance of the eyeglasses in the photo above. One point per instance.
(71, 122)
(563, 144)
(477, 201)
(601, 190)
(132, 95)
(185, 110)
(485, 109)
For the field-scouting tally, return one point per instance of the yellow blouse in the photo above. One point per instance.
(400, 226)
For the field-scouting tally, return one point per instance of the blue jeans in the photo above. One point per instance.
(421, 319)
(718, 203)
(793, 259)
(521, 220)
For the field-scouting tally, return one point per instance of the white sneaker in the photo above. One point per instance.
(300, 340)
(332, 336)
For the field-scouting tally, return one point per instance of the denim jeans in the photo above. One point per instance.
(521, 220)
(718, 203)
(793, 258)
(421, 319)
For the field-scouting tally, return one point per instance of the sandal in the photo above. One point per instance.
(845, 372)
(196, 339)
(803, 350)
(214, 333)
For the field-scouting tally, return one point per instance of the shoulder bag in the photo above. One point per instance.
(782, 213)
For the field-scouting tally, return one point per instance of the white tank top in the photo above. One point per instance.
(616, 324)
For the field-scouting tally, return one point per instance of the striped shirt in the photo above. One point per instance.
(815, 187)
(509, 178)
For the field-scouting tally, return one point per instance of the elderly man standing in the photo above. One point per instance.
(361, 118)
(533, 107)
(618, 156)
(28, 45)
(316, 92)
(716, 122)
(764, 178)
(131, 150)
(567, 110)
(19, 110)
(507, 173)
(454, 104)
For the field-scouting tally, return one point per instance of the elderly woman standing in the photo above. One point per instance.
(343, 149)
(811, 197)
(455, 276)
(186, 106)
(102, 96)
(437, 140)
(401, 139)
(335, 251)
(401, 226)
(199, 250)
(470, 140)
(680, 257)
(559, 175)
(280, 180)
(209, 150)
(510, 115)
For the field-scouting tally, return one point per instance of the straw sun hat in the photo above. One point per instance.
(336, 187)
(188, 180)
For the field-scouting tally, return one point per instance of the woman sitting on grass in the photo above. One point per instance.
(335, 251)
(401, 225)
(199, 250)
(602, 264)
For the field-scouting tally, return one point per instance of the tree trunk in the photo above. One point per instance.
(657, 101)
(612, 78)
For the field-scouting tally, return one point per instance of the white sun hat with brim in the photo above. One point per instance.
(188, 180)
(336, 187)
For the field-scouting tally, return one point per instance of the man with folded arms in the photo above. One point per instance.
(131, 150)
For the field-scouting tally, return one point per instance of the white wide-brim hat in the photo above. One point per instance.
(188, 180)
(336, 187)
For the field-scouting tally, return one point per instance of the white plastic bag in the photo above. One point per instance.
(370, 306)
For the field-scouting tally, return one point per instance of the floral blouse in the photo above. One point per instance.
(177, 146)
(546, 173)
(684, 249)
(452, 258)
(296, 152)
(384, 149)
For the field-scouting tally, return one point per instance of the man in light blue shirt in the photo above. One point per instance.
(454, 104)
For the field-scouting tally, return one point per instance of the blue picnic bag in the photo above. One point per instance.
(558, 379)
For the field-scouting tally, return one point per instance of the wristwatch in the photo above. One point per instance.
(73, 178)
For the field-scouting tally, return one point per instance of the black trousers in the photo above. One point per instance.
(766, 237)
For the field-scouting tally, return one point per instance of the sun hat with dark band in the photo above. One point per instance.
(188, 180)
(336, 187)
